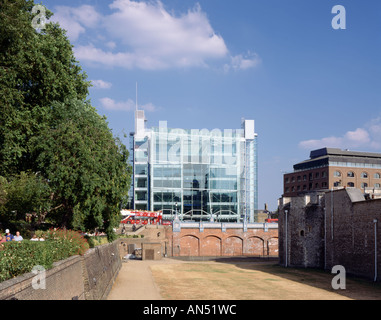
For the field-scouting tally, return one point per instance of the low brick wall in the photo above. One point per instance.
(87, 277)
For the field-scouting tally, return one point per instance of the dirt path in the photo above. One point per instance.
(135, 281)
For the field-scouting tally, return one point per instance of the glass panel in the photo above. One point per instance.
(158, 183)
(157, 197)
(141, 169)
(141, 195)
(141, 182)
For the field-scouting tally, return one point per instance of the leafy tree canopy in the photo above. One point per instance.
(58, 157)
(36, 68)
(85, 165)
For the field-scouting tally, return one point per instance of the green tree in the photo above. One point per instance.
(48, 127)
(85, 165)
(3, 195)
(27, 192)
(36, 68)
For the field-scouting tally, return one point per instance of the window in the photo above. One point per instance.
(323, 174)
(364, 175)
(141, 182)
(351, 184)
(304, 177)
(287, 180)
(376, 185)
(377, 176)
(316, 186)
(317, 175)
(364, 185)
(337, 174)
(299, 178)
(337, 184)
(141, 169)
(350, 174)
(141, 195)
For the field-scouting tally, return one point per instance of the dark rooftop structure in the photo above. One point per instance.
(322, 157)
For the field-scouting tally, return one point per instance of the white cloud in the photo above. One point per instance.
(75, 20)
(368, 137)
(128, 105)
(111, 44)
(240, 62)
(100, 84)
(126, 60)
(111, 104)
(149, 37)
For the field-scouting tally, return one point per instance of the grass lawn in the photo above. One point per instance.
(237, 280)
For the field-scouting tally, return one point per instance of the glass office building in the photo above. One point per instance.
(208, 175)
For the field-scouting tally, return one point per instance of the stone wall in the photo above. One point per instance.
(305, 218)
(340, 228)
(101, 265)
(87, 277)
(351, 233)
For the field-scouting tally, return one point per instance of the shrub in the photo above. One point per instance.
(96, 240)
(73, 241)
(17, 258)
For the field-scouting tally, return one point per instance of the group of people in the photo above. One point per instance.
(17, 237)
(10, 237)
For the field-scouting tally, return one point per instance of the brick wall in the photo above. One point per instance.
(218, 242)
(87, 277)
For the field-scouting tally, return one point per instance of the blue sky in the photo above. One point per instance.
(208, 63)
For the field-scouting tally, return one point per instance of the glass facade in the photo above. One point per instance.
(195, 174)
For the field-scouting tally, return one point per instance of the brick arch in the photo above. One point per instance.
(211, 245)
(189, 245)
(272, 246)
(233, 246)
(255, 246)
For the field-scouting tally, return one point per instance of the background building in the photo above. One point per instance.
(330, 168)
(195, 174)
